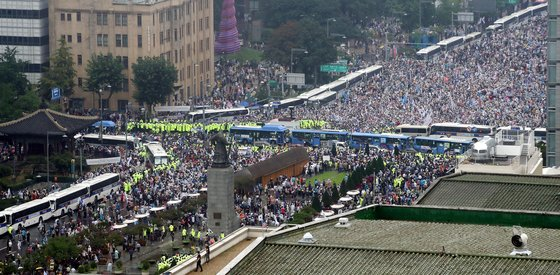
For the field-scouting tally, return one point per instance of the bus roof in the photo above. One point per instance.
(66, 191)
(461, 125)
(449, 40)
(412, 126)
(322, 96)
(156, 149)
(328, 131)
(266, 127)
(25, 205)
(380, 135)
(456, 140)
(106, 137)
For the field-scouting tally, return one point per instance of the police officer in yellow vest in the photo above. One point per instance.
(184, 234)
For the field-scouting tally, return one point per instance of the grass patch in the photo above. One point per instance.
(246, 54)
(335, 177)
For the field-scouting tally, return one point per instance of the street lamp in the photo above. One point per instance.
(292, 57)
(329, 20)
(125, 131)
(101, 112)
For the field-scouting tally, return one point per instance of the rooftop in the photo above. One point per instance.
(421, 240)
(515, 192)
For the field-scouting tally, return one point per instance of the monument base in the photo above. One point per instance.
(221, 208)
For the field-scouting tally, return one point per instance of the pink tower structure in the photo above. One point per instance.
(227, 41)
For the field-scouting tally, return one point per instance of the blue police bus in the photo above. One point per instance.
(437, 145)
(271, 134)
(316, 138)
(382, 141)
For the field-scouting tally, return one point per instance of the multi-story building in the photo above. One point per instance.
(181, 31)
(553, 86)
(24, 25)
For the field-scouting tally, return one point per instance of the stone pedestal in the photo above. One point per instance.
(221, 211)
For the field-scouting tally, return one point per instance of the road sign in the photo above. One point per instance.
(295, 79)
(467, 17)
(55, 93)
(334, 68)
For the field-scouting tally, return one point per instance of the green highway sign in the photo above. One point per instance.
(334, 68)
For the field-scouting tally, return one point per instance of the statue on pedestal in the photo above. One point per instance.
(221, 154)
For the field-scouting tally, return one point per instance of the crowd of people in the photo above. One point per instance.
(498, 79)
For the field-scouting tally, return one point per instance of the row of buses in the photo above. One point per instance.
(280, 135)
(59, 203)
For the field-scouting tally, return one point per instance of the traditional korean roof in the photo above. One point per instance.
(495, 191)
(45, 120)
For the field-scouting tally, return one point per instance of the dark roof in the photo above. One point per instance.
(514, 192)
(45, 120)
(266, 167)
(318, 259)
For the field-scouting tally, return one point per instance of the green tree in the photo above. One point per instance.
(103, 70)
(333, 150)
(60, 73)
(316, 203)
(335, 196)
(11, 72)
(13, 105)
(62, 249)
(154, 78)
(327, 199)
(343, 188)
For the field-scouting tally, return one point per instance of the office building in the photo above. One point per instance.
(181, 31)
(24, 25)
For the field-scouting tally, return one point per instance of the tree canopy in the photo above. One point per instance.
(154, 78)
(15, 90)
(60, 73)
(103, 70)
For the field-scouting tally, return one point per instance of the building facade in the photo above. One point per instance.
(180, 31)
(553, 86)
(24, 25)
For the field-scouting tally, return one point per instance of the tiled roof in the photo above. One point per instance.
(316, 259)
(278, 162)
(43, 120)
(429, 237)
(530, 193)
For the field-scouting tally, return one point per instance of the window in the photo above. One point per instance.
(200, 24)
(80, 61)
(551, 142)
(102, 40)
(118, 40)
(62, 17)
(121, 19)
(551, 98)
(206, 22)
(176, 57)
(189, 28)
(79, 37)
(139, 20)
(551, 74)
(125, 62)
(175, 34)
(551, 119)
(154, 40)
(552, 51)
(80, 82)
(168, 35)
(207, 43)
(161, 16)
(102, 19)
(139, 41)
(160, 38)
(78, 16)
(189, 50)
(168, 15)
(69, 38)
(125, 85)
(125, 40)
(63, 37)
(68, 17)
(175, 14)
